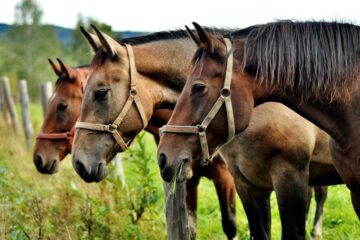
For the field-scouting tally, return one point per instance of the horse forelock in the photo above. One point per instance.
(64, 78)
(317, 59)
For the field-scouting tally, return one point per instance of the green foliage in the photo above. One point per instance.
(145, 194)
(62, 206)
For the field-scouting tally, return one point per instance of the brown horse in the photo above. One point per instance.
(55, 141)
(160, 65)
(314, 73)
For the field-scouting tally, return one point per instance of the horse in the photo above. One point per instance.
(54, 142)
(311, 67)
(161, 64)
(56, 137)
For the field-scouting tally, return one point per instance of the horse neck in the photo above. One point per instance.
(336, 118)
(164, 65)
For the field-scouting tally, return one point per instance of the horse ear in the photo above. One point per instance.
(68, 71)
(92, 39)
(55, 67)
(193, 36)
(204, 37)
(108, 43)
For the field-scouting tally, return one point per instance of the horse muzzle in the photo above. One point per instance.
(92, 171)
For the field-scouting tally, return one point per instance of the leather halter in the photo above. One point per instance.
(68, 136)
(133, 98)
(200, 129)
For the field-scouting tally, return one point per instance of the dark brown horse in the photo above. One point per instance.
(55, 141)
(161, 63)
(311, 67)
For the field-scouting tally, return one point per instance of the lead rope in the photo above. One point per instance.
(133, 98)
(200, 130)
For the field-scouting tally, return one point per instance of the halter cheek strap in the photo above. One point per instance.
(132, 99)
(200, 130)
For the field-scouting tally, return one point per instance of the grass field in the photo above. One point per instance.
(62, 206)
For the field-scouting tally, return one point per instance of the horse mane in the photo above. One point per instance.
(170, 35)
(319, 60)
(238, 34)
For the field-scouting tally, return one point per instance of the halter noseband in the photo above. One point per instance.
(224, 98)
(68, 136)
(133, 98)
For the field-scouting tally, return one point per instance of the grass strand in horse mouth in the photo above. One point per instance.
(175, 178)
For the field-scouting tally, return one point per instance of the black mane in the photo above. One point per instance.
(169, 35)
(318, 59)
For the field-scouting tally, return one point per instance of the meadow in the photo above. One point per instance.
(62, 206)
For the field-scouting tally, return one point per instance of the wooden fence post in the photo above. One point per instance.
(25, 111)
(45, 92)
(1, 100)
(3, 109)
(10, 103)
(176, 213)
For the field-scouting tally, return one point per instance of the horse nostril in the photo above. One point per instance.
(52, 166)
(162, 161)
(99, 168)
(79, 167)
(38, 161)
(186, 161)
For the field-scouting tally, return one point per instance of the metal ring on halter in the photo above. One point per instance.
(69, 135)
(133, 92)
(225, 92)
(112, 127)
(200, 128)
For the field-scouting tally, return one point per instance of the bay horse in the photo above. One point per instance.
(56, 137)
(161, 64)
(54, 142)
(312, 67)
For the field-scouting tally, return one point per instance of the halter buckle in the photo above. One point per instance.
(112, 127)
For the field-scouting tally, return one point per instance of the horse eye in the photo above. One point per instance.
(198, 88)
(62, 106)
(101, 93)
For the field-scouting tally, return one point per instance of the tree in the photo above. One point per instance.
(28, 44)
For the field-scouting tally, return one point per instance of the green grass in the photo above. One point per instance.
(64, 207)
